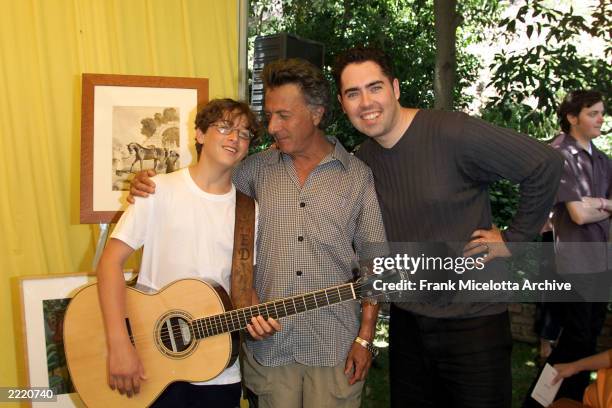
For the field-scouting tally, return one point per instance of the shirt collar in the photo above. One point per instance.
(574, 148)
(339, 153)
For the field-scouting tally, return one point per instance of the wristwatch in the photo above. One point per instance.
(366, 344)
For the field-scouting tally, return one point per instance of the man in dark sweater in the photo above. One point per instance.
(432, 170)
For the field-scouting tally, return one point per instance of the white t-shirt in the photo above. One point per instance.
(186, 233)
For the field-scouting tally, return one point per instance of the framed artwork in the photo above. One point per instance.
(43, 304)
(130, 123)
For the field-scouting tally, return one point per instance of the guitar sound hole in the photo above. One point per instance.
(175, 335)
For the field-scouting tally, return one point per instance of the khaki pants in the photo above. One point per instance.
(297, 385)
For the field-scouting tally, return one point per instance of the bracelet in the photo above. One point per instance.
(366, 344)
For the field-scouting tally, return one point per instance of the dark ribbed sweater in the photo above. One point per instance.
(432, 185)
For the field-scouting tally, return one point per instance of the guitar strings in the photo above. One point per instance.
(220, 323)
(217, 324)
(221, 326)
(211, 327)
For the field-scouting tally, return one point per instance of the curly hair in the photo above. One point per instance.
(574, 102)
(225, 109)
(302, 73)
(357, 55)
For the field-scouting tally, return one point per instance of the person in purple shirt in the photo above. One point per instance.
(581, 226)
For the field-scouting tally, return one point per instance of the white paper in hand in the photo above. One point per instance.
(544, 392)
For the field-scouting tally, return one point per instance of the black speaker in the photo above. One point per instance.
(279, 46)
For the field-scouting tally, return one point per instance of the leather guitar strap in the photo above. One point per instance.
(242, 261)
(242, 257)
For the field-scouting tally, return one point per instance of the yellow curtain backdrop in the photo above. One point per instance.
(45, 46)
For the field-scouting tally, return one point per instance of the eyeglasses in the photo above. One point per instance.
(227, 130)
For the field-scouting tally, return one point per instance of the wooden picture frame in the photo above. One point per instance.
(114, 107)
(43, 302)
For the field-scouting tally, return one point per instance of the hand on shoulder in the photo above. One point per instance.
(142, 185)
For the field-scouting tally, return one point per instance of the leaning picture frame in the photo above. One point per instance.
(130, 123)
(43, 302)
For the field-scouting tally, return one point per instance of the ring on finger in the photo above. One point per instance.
(487, 250)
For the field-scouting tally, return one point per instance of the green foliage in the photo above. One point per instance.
(547, 72)
(504, 199)
(524, 370)
(403, 28)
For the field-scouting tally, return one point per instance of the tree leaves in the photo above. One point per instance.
(403, 28)
(547, 71)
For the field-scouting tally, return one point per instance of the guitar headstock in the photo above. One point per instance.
(383, 287)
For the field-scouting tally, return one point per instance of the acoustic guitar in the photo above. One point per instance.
(184, 332)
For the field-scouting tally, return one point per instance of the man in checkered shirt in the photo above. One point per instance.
(318, 210)
(318, 213)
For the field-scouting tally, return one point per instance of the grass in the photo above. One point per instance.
(376, 389)
(524, 369)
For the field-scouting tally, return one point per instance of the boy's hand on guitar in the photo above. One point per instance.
(125, 370)
(142, 185)
(261, 328)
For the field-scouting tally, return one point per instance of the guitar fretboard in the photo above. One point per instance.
(238, 319)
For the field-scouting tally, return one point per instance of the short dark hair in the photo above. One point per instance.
(357, 55)
(224, 109)
(302, 73)
(574, 102)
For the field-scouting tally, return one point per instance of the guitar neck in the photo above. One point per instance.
(238, 319)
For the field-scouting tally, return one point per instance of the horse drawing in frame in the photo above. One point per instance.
(157, 154)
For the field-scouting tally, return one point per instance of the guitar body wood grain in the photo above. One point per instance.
(149, 317)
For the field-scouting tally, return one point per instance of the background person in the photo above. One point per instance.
(581, 225)
(596, 395)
